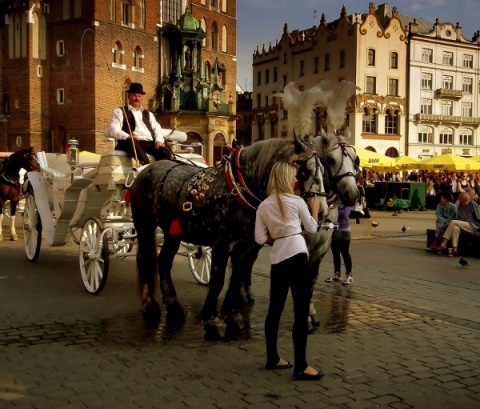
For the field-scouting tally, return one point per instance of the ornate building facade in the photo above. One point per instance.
(444, 92)
(367, 49)
(65, 65)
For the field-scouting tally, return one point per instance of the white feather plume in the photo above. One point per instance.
(300, 104)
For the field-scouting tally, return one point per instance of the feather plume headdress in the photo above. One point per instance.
(331, 95)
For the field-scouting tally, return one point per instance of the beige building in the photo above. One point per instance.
(368, 49)
(444, 105)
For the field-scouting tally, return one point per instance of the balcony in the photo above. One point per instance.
(449, 93)
(447, 119)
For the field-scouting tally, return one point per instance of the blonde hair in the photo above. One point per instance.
(280, 182)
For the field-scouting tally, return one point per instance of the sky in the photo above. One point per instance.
(261, 21)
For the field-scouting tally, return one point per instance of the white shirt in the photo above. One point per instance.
(288, 240)
(141, 130)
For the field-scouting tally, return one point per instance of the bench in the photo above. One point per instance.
(468, 243)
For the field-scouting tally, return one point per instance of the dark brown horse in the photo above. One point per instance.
(10, 182)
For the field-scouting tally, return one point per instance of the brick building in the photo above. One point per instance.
(65, 65)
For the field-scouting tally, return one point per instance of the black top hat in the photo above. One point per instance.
(135, 88)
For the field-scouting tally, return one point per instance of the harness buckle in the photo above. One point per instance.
(187, 206)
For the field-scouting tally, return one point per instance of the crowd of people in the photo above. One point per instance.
(435, 182)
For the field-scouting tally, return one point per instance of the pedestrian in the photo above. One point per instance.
(278, 222)
(445, 212)
(468, 220)
(136, 129)
(341, 247)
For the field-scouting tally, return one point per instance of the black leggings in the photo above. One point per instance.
(341, 247)
(291, 273)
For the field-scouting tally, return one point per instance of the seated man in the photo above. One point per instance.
(446, 212)
(468, 214)
(136, 129)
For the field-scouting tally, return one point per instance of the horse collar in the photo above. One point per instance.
(7, 181)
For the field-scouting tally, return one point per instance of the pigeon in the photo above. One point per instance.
(463, 262)
(374, 223)
(404, 229)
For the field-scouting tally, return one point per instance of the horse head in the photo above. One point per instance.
(310, 172)
(28, 160)
(341, 163)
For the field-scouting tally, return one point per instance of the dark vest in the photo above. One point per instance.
(131, 120)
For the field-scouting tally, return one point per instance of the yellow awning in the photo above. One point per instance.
(374, 160)
(449, 162)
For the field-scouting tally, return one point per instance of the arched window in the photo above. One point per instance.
(112, 10)
(203, 25)
(224, 39)
(43, 38)
(208, 72)
(141, 14)
(117, 54)
(392, 152)
(391, 121)
(465, 137)
(138, 59)
(126, 13)
(369, 120)
(214, 36)
(35, 35)
(5, 104)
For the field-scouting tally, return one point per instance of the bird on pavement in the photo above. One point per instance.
(463, 262)
(374, 223)
(404, 229)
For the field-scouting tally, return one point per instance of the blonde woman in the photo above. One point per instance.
(279, 221)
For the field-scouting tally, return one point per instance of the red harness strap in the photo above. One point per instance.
(235, 189)
(239, 174)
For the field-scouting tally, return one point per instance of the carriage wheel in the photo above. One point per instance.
(93, 257)
(32, 229)
(200, 262)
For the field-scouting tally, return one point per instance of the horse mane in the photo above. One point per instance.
(261, 155)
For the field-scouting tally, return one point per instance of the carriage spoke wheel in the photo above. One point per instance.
(32, 229)
(93, 257)
(200, 262)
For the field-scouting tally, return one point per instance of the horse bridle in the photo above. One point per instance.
(300, 163)
(337, 176)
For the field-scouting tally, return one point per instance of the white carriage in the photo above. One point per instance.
(85, 203)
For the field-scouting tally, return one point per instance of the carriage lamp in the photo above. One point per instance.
(73, 155)
(72, 152)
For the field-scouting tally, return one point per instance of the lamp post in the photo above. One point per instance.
(72, 155)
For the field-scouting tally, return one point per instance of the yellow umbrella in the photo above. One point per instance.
(406, 163)
(449, 162)
(477, 158)
(370, 159)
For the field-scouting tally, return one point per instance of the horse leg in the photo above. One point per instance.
(146, 268)
(13, 232)
(243, 256)
(175, 312)
(215, 325)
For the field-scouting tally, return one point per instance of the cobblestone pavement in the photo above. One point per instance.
(405, 335)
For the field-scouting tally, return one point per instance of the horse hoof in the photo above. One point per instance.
(152, 314)
(1, 238)
(215, 329)
(14, 238)
(314, 321)
(175, 315)
(235, 323)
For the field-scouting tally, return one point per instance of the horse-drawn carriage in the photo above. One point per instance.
(85, 204)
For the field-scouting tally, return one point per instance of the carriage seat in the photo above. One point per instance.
(114, 165)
